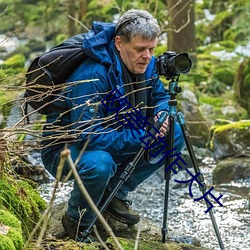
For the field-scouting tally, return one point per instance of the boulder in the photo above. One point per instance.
(231, 169)
(197, 125)
(230, 139)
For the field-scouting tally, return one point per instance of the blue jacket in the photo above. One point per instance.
(89, 117)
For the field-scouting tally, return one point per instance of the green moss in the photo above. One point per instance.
(16, 61)
(13, 239)
(6, 243)
(236, 125)
(212, 100)
(225, 75)
(21, 199)
(242, 84)
(16, 237)
(128, 244)
(219, 131)
(13, 71)
(9, 219)
(228, 45)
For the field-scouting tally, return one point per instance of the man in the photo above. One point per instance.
(121, 70)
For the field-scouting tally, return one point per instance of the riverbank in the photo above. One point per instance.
(187, 219)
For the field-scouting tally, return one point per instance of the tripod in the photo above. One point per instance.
(173, 90)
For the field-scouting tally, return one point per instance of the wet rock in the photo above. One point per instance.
(231, 169)
(231, 139)
(197, 125)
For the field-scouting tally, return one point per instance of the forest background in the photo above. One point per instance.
(214, 33)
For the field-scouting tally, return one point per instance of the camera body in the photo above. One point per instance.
(171, 65)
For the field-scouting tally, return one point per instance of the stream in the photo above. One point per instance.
(186, 217)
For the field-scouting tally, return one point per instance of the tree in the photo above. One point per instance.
(181, 27)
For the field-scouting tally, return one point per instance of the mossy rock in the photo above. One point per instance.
(128, 244)
(11, 237)
(22, 200)
(230, 139)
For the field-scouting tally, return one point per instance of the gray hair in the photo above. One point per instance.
(137, 22)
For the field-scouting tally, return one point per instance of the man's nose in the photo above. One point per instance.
(146, 54)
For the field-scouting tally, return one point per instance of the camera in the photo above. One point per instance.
(171, 65)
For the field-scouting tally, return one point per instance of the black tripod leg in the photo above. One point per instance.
(181, 121)
(169, 161)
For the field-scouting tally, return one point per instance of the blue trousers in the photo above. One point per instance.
(100, 170)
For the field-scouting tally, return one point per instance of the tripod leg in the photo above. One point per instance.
(200, 177)
(169, 161)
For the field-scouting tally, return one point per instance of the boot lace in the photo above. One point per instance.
(127, 203)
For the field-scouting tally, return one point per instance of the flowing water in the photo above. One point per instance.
(186, 217)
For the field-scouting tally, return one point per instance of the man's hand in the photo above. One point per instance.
(165, 126)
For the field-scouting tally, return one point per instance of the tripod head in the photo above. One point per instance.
(174, 89)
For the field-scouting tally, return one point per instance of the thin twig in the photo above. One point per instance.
(99, 238)
(137, 236)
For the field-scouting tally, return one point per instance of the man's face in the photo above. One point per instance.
(137, 53)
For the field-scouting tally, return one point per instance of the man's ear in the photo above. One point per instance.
(118, 42)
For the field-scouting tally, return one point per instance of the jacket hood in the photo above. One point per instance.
(98, 43)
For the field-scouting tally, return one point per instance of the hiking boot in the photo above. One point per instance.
(121, 211)
(75, 231)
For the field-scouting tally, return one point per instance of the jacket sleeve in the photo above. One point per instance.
(89, 120)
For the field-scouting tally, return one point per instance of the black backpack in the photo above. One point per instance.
(47, 74)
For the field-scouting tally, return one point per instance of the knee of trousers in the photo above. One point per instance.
(98, 165)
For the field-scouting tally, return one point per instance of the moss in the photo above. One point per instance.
(214, 101)
(9, 219)
(13, 71)
(242, 84)
(221, 132)
(229, 45)
(16, 61)
(6, 243)
(225, 75)
(128, 244)
(16, 237)
(13, 239)
(21, 199)
(235, 125)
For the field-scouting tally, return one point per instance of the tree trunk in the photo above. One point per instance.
(71, 6)
(83, 7)
(181, 27)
